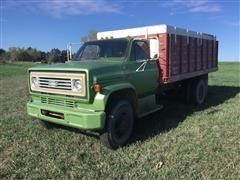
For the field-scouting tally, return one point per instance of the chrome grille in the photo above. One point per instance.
(58, 102)
(58, 83)
(55, 83)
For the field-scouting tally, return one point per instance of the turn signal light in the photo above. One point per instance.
(97, 88)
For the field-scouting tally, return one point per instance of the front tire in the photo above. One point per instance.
(119, 125)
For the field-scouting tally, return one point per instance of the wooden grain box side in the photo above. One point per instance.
(192, 56)
(184, 54)
(175, 54)
(184, 57)
(207, 52)
(204, 54)
(179, 42)
(163, 61)
(215, 54)
(210, 52)
(199, 54)
(189, 57)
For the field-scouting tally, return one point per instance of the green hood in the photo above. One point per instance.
(88, 65)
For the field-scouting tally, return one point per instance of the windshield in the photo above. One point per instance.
(95, 50)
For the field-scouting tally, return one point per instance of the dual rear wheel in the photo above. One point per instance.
(198, 90)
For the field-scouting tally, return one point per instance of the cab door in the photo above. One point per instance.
(139, 70)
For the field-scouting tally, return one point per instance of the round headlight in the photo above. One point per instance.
(77, 85)
(35, 82)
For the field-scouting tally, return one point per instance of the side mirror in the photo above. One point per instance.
(154, 48)
(156, 56)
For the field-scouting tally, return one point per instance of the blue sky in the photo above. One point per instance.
(50, 24)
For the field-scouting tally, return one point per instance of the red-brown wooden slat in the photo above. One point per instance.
(182, 55)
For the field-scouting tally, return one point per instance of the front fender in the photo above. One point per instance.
(100, 100)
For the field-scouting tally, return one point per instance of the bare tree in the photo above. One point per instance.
(92, 35)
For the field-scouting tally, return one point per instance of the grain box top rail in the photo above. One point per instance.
(151, 30)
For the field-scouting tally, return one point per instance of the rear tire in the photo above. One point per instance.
(119, 124)
(199, 91)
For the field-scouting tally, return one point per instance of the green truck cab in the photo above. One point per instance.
(115, 84)
(113, 81)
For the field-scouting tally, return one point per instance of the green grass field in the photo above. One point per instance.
(178, 142)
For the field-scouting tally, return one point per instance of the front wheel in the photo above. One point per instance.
(119, 125)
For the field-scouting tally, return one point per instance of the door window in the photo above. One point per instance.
(140, 51)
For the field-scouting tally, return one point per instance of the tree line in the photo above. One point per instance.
(33, 55)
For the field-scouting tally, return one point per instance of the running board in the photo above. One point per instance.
(157, 108)
(147, 105)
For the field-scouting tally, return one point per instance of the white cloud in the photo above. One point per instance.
(59, 8)
(206, 8)
(233, 23)
(78, 7)
(193, 6)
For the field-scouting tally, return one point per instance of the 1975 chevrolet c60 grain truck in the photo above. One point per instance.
(114, 80)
